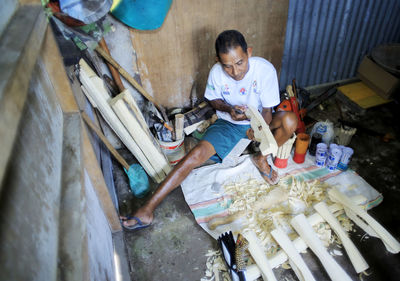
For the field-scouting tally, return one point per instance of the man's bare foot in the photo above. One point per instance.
(144, 216)
(266, 171)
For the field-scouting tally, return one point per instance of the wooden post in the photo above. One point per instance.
(179, 119)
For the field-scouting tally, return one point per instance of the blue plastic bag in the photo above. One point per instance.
(138, 180)
(141, 14)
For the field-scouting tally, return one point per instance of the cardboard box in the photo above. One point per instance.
(378, 79)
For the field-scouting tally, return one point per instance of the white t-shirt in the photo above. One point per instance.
(258, 88)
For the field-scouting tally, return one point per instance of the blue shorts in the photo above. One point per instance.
(224, 135)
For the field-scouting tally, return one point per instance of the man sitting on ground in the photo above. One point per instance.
(235, 81)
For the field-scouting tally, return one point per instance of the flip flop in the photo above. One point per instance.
(264, 174)
(138, 225)
(269, 176)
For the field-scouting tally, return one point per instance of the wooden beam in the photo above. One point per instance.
(96, 177)
(179, 119)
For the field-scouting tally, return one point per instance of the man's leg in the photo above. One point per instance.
(197, 156)
(283, 125)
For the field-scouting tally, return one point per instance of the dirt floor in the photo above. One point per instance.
(174, 247)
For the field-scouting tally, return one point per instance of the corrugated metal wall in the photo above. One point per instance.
(326, 39)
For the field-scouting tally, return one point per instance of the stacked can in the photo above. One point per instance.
(347, 152)
(333, 157)
(321, 154)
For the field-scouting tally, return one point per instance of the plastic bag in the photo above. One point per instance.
(325, 128)
(138, 180)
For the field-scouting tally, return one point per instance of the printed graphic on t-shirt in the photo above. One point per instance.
(243, 91)
(255, 87)
(211, 87)
(225, 90)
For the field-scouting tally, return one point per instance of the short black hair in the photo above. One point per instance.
(228, 40)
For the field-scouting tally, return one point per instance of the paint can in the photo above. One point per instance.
(322, 150)
(320, 161)
(174, 150)
(333, 157)
(347, 152)
(321, 154)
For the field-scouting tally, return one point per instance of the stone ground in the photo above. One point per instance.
(174, 247)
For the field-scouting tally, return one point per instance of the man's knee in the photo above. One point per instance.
(201, 153)
(289, 122)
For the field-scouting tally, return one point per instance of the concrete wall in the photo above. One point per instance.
(8, 8)
(30, 199)
(53, 223)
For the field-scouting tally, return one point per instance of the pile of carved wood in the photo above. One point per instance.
(125, 118)
(303, 235)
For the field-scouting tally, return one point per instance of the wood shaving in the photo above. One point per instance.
(302, 196)
(216, 269)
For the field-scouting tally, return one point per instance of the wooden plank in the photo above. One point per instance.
(155, 157)
(179, 119)
(130, 101)
(58, 76)
(178, 56)
(103, 138)
(95, 88)
(19, 51)
(96, 176)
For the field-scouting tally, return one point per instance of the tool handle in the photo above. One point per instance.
(113, 70)
(127, 76)
(103, 138)
(152, 115)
